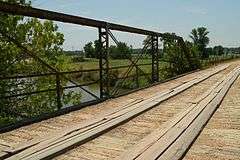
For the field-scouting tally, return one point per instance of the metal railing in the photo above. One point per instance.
(108, 86)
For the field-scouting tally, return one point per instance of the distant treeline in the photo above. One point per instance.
(126, 52)
(220, 50)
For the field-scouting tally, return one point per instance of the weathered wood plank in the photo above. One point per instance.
(160, 146)
(208, 105)
(57, 144)
(81, 126)
(148, 141)
(157, 134)
(182, 144)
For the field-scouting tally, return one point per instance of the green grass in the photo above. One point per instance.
(94, 63)
(119, 73)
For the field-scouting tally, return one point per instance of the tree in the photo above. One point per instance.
(201, 40)
(43, 40)
(89, 50)
(97, 48)
(121, 51)
(209, 51)
(218, 50)
(177, 62)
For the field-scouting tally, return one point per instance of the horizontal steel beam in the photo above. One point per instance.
(61, 17)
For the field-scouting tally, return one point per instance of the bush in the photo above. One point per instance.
(177, 63)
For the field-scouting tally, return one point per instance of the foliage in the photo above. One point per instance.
(218, 50)
(177, 63)
(201, 40)
(92, 50)
(121, 51)
(44, 41)
(209, 51)
(89, 50)
(97, 48)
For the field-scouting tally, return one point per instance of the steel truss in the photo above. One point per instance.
(104, 35)
(103, 62)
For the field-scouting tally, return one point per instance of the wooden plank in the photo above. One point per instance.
(160, 146)
(59, 139)
(2, 152)
(104, 117)
(79, 126)
(149, 140)
(181, 145)
(4, 148)
(57, 144)
(157, 134)
(164, 143)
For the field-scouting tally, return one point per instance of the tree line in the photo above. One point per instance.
(120, 51)
(199, 37)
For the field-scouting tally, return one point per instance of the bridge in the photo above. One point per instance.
(195, 116)
(191, 116)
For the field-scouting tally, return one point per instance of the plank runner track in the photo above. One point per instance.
(80, 134)
(173, 140)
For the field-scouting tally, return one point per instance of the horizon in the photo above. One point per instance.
(180, 18)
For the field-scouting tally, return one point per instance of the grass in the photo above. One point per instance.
(94, 63)
(119, 73)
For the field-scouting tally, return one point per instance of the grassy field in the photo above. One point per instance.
(116, 73)
(94, 63)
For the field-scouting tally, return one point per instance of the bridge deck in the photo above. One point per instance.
(119, 140)
(220, 139)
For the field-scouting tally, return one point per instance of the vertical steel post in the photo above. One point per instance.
(155, 59)
(103, 62)
(137, 77)
(58, 90)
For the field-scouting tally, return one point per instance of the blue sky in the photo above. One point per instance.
(221, 17)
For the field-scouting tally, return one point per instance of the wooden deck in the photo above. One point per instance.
(220, 139)
(143, 125)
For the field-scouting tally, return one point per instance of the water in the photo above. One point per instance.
(85, 97)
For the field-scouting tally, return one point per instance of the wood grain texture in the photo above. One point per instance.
(168, 141)
(220, 137)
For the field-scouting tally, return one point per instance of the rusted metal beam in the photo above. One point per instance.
(61, 17)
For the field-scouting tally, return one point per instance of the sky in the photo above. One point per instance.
(221, 17)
